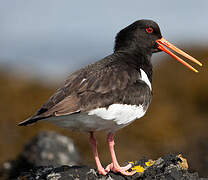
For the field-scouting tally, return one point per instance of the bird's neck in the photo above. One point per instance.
(137, 60)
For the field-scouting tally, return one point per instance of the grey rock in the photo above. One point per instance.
(169, 167)
(50, 148)
(43, 158)
(45, 149)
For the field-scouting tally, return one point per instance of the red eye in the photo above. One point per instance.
(149, 30)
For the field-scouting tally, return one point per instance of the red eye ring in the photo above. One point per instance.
(149, 30)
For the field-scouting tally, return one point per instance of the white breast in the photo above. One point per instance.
(120, 113)
(145, 78)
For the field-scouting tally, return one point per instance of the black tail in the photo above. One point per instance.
(31, 121)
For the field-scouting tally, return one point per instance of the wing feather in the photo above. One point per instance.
(97, 85)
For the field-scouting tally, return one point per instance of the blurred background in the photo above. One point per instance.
(42, 42)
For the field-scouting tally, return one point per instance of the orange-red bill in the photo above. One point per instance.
(164, 42)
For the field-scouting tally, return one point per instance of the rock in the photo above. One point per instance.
(169, 167)
(50, 148)
(45, 149)
(45, 155)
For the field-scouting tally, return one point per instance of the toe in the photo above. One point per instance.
(102, 171)
(126, 173)
(122, 170)
(125, 168)
(109, 167)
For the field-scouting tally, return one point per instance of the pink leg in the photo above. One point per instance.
(114, 166)
(93, 143)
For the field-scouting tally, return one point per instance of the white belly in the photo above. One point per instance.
(115, 117)
(119, 113)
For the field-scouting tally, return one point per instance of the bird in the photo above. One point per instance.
(111, 93)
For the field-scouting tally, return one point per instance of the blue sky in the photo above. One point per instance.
(52, 38)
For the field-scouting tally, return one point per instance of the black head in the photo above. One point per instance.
(139, 36)
(144, 37)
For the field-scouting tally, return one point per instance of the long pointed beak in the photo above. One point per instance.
(162, 42)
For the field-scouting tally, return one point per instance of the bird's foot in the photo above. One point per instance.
(122, 170)
(102, 171)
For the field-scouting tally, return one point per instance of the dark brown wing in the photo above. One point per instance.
(85, 89)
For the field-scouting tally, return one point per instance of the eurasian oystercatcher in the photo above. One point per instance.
(111, 93)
